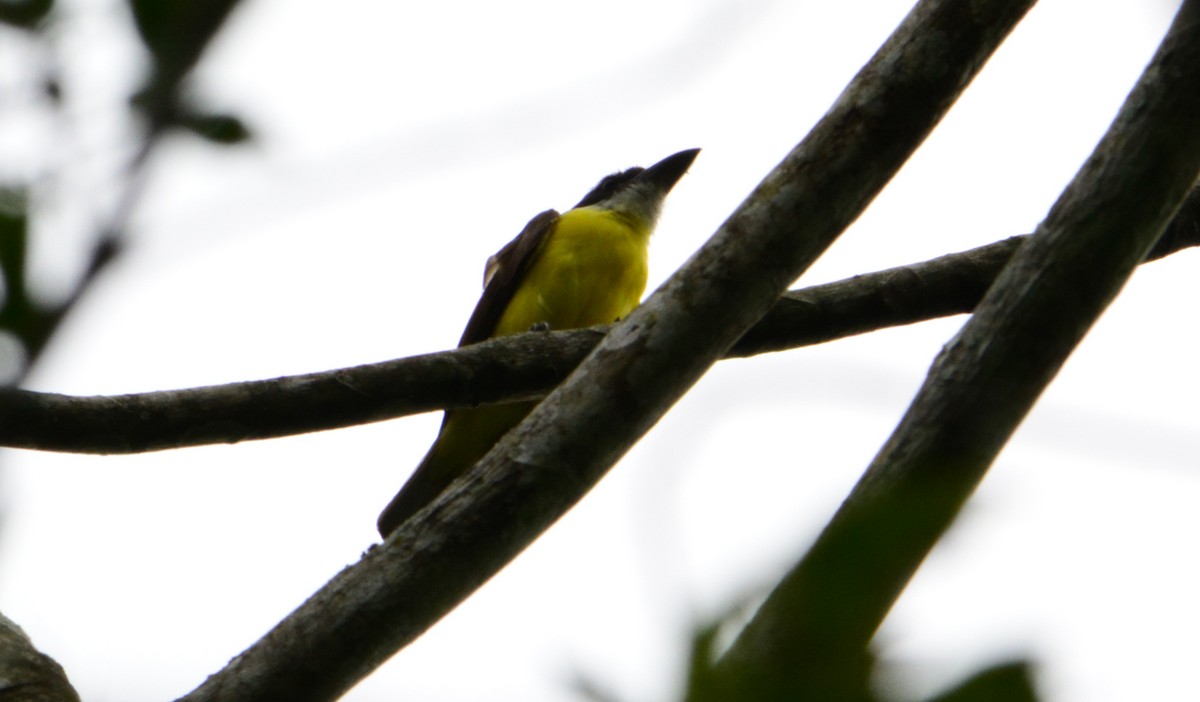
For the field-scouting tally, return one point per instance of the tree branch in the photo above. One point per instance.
(986, 380)
(27, 674)
(512, 368)
(548, 462)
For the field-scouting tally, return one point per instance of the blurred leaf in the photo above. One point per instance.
(25, 14)
(14, 232)
(52, 89)
(25, 326)
(222, 129)
(177, 31)
(704, 684)
(592, 690)
(17, 317)
(1008, 682)
(781, 678)
(156, 22)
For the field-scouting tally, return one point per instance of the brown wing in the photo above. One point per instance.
(504, 274)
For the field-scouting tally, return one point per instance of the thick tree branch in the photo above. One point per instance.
(547, 463)
(986, 380)
(27, 674)
(518, 367)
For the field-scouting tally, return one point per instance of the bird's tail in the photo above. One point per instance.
(424, 485)
(465, 436)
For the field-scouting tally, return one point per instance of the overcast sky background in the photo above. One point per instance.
(399, 147)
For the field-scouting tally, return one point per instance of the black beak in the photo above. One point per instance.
(667, 172)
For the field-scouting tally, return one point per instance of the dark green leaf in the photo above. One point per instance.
(25, 14)
(14, 232)
(156, 22)
(218, 128)
(1007, 682)
(773, 678)
(177, 31)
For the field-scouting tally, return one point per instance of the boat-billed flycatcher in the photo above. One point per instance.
(581, 268)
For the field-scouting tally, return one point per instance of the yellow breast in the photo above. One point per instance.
(591, 270)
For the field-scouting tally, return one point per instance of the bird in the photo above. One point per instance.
(584, 267)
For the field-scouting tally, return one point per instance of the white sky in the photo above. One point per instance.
(399, 148)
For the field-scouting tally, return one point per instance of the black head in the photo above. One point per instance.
(655, 181)
(609, 185)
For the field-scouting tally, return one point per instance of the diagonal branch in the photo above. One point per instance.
(511, 368)
(546, 464)
(986, 380)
